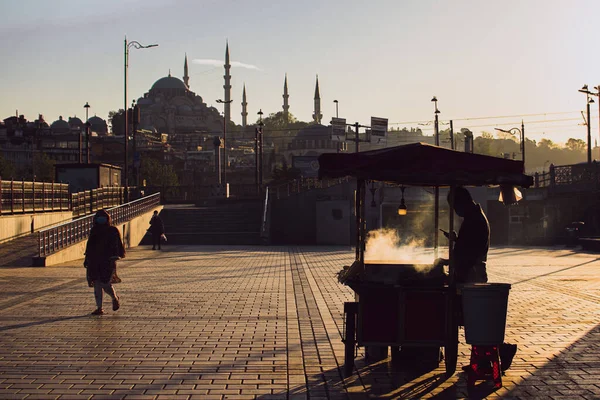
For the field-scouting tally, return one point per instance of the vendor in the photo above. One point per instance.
(471, 247)
(473, 241)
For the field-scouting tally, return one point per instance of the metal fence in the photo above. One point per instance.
(577, 174)
(31, 197)
(90, 201)
(193, 193)
(58, 237)
(295, 186)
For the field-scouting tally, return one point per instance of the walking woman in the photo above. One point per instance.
(104, 247)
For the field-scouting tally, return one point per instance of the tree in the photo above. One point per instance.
(157, 174)
(576, 144)
(116, 121)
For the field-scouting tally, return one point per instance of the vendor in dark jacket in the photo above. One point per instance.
(471, 247)
(473, 241)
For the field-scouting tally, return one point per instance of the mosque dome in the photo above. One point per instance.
(60, 125)
(169, 82)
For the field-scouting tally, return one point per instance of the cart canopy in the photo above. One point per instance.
(422, 164)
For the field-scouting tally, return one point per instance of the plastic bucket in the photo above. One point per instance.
(484, 309)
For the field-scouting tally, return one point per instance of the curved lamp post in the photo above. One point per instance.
(521, 136)
(589, 101)
(128, 45)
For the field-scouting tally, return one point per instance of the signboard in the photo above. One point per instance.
(379, 127)
(338, 129)
(308, 165)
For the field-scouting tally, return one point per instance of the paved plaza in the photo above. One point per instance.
(216, 322)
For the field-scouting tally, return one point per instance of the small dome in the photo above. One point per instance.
(143, 101)
(60, 125)
(95, 120)
(169, 82)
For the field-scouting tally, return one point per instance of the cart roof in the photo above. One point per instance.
(422, 164)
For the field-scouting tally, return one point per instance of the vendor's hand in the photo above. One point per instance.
(441, 261)
(452, 236)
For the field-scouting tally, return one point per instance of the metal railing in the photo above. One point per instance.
(31, 197)
(58, 237)
(577, 174)
(193, 193)
(90, 201)
(302, 185)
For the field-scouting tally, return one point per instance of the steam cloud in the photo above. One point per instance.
(219, 63)
(384, 245)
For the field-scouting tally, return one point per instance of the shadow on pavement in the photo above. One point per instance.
(42, 322)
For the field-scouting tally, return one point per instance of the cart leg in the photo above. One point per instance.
(350, 309)
(451, 345)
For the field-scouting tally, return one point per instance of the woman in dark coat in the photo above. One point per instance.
(157, 229)
(104, 248)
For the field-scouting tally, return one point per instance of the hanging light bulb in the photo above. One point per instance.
(402, 207)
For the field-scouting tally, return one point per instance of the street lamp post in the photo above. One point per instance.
(589, 101)
(336, 108)
(225, 139)
(86, 106)
(127, 46)
(521, 136)
(258, 148)
(437, 189)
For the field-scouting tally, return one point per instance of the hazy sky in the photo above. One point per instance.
(383, 58)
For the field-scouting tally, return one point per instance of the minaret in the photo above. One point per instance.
(317, 116)
(286, 106)
(244, 108)
(186, 78)
(227, 85)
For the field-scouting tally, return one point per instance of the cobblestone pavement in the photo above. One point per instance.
(210, 322)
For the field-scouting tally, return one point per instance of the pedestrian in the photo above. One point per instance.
(157, 229)
(471, 247)
(104, 247)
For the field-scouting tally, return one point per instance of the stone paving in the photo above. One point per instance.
(210, 322)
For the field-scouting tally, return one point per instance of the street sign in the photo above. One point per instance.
(379, 127)
(338, 129)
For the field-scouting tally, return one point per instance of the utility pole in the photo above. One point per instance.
(226, 102)
(523, 143)
(452, 146)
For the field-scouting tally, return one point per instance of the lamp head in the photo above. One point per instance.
(584, 89)
(590, 101)
(402, 208)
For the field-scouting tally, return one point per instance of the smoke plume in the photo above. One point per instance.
(384, 245)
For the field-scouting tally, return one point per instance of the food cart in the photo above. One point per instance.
(396, 306)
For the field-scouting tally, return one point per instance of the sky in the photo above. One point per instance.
(517, 59)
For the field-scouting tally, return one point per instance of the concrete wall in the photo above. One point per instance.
(132, 233)
(14, 226)
(321, 216)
